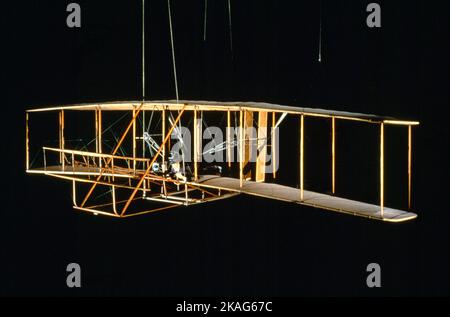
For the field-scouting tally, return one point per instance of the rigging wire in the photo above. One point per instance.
(120, 147)
(110, 127)
(150, 121)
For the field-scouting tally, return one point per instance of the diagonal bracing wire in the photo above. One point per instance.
(108, 128)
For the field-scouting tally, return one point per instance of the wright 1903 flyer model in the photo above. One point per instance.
(154, 177)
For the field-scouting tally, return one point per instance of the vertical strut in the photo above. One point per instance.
(27, 142)
(134, 142)
(409, 164)
(333, 155)
(274, 146)
(382, 170)
(195, 145)
(241, 148)
(61, 138)
(301, 155)
(99, 137)
(229, 145)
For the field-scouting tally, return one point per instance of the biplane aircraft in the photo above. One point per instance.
(155, 176)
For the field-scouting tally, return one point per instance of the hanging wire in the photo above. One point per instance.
(143, 50)
(204, 20)
(230, 27)
(174, 70)
(173, 50)
(320, 32)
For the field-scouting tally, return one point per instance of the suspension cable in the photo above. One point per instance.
(143, 50)
(173, 50)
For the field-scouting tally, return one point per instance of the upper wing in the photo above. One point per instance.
(232, 106)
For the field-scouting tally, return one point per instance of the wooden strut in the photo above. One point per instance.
(274, 146)
(248, 143)
(27, 143)
(229, 138)
(99, 136)
(197, 141)
(195, 146)
(112, 168)
(241, 148)
(261, 147)
(122, 138)
(96, 130)
(301, 156)
(151, 163)
(134, 141)
(333, 155)
(163, 146)
(382, 170)
(409, 164)
(163, 133)
(74, 193)
(61, 138)
(113, 193)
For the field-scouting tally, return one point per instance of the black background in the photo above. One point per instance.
(243, 246)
